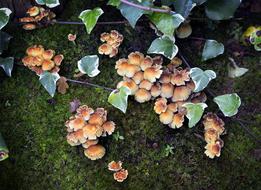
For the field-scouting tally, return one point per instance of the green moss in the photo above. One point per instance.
(33, 127)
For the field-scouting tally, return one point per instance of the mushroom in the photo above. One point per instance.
(167, 90)
(160, 105)
(157, 60)
(92, 131)
(212, 121)
(76, 137)
(58, 59)
(94, 152)
(76, 123)
(173, 107)
(181, 93)
(213, 149)
(165, 77)
(48, 54)
(211, 135)
(89, 143)
(121, 66)
(131, 69)
(104, 36)
(85, 112)
(48, 65)
(98, 117)
(142, 95)
(135, 58)
(33, 11)
(184, 31)
(108, 127)
(130, 84)
(72, 37)
(114, 51)
(28, 60)
(115, 166)
(114, 34)
(174, 63)
(138, 77)
(37, 61)
(121, 175)
(155, 90)
(27, 19)
(35, 50)
(166, 117)
(105, 49)
(191, 85)
(145, 84)
(177, 121)
(199, 98)
(146, 63)
(179, 77)
(29, 26)
(153, 73)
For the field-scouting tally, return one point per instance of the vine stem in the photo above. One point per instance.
(89, 84)
(147, 8)
(98, 23)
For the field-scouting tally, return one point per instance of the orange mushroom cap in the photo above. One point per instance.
(76, 137)
(115, 166)
(104, 36)
(76, 123)
(142, 95)
(131, 69)
(199, 98)
(160, 105)
(28, 60)
(89, 143)
(135, 58)
(212, 121)
(33, 11)
(29, 26)
(95, 152)
(177, 121)
(130, 84)
(146, 63)
(48, 65)
(108, 127)
(92, 131)
(85, 112)
(173, 107)
(153, 73)
(166, 117)
(121, 66)
(37, 61)
(48, 54)
(165, 77)
(211, 135)
(138, 77)
(58, 59)
(181, 93)
(155, 90)
(167, 90)
(105, 49)
(35, 50)
(27, 19)
(145, 84)
(121, 175)
(179, 77)
(114, 51)
(213, 149)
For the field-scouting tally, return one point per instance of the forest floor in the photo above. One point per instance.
(33, 124)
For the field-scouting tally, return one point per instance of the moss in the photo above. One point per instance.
(33, 124)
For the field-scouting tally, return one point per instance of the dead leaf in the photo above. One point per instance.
(74, 105)
(62, 85)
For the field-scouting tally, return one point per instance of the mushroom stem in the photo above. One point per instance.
(89, 84)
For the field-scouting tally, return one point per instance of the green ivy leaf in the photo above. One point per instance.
(48, 3)
(221, 9)
(89, 65)
(228, 104)
(4, 41)
(183, 7)
(165, 22)
(212, 49)
(119, 98)
(194, 112)
(165, 46)
(48, 80)
(4, 16)
(90, 17)
(7, 64)
(3, 149)
(115, 3)
(201, 78)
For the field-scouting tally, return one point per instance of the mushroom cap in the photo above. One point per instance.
(85, 112)
(35, 50)
(167, 90)
(29, 26)
(173, 107)
(211, 135)
(152, 73)
(105, 49)
(174, 63)
(160, 105)
(165, 77)
(27, 19)
(58, 59)
(94, 152)
(131, 69)
(71, 37)
(177, 121)
(33, 11)
(76, 123)
(199, 98)
(213, 149)
(146, 63)
(89, 143)
(130, 84)
(115, 166)
(157, 60)
(166, 117)
(191, 85)
(179, 77)
(142, 95)
(96, 119)
(28, 60)
(48, 65)
(76, 137)
(181, 93)
(104, 36)
(92, 131)
(145, 84)
(135, 58)
(121, 175)
(155, 90)
(121, 66)
(48, 54)
(138, 77)
(114, 52)
(212, 121)
(114, 34)
(108, 127)
(184, 30)
(37, 61)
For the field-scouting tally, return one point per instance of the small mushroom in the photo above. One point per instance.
(58, 59)
(29, 26)
(165, 77)
(145, 84)
(71, 37)
(85, 112)
(153, 73)
(155, 90)
(121, 66)
(131, 69)
(48, 54)
(184, 30)
(177, 121)
(76, 137)
(89, 143)
(114, 51)
(114, 34)
(142, 95)
(213, 149)
(76, 123)
(212, 121)
(37, 61)
(166, 117)
(199, 98)
(191, 85)
(96, 119)
(92, 131)
(160, 105)
(173, 107)
(48, 65)
(181, 93)
(211, 135)
(104, 36)
(95, 152)
(146, 63)
(27, 19)
(167, 90)
(28, 60)
(179, 77)
(105, 49)
(108, 128)
(115, 166)
(138, 77)
(174, 63)
(35, 50)
(121, 175)
(33, 11)
(135, 58)
(130, 84)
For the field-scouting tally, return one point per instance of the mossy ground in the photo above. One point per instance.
(33, 126)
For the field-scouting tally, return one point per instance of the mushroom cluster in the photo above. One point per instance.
(39, 60)
(85, 128)
(120, 174)
(140, 75)
(112, 41)
(213, 128)
(37, 16)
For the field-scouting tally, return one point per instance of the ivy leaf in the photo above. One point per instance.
(4, 41)
(3, 149)
(212, 49)
(48, 80)
(48, 3)
(90, 17)
(165, 46)
(183, 7)
(89, 65)
(115, 3)
(228, 104)
(119, 98)
(194, 112)
(201, 78)
(221, 9)
(7, 64)
(165, 22)
(4, 16)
